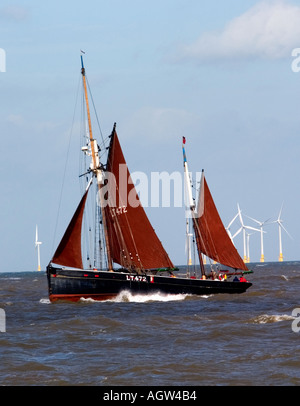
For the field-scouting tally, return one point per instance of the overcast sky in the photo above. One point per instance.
(219, 73)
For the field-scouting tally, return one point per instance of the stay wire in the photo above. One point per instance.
(65, 167)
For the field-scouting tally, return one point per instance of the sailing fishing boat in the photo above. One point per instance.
(135, 259)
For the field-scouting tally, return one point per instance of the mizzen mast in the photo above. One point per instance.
(95, 165)
(192, 206)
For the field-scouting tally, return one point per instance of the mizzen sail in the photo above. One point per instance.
(214, 241)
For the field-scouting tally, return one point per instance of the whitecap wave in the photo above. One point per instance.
(11, 279)
(45, 301)
(271, 318)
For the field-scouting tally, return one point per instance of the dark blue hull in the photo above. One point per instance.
(69, 284)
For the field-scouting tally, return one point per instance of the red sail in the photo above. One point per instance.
(214, 241)
(68, 252)
(133, 242)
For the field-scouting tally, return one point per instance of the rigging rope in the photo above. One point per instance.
(96, 115)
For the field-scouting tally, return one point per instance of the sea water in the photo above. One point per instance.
(178, 340)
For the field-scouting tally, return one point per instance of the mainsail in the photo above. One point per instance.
(132, 240)
(214, 242)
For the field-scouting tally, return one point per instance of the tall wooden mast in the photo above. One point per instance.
(96, 168)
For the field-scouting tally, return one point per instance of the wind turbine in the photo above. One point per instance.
(280, 226)
(37, 246)
(244, 228)
(261, 224)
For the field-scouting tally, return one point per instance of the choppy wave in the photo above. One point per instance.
(13, 278)
(271, 318)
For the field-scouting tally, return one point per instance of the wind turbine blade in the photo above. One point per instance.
(229, 233)
(237, 233)
(267, 222)
(232, 220)
(252, 228)
(240, 215)
(286, 231)
(256, 221)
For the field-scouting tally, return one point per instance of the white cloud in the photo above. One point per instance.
(16, 119)
(13, 13)
(37, 126)
(162, 123)
(269, 30)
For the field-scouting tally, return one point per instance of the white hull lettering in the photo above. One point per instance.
(136, 278)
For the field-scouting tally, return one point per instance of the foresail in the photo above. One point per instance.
(214, 240)
(132, 240)
(68, 252)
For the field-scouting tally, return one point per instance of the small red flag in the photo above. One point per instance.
(183, 140)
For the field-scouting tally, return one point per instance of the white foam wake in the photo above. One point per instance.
(126, 296)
